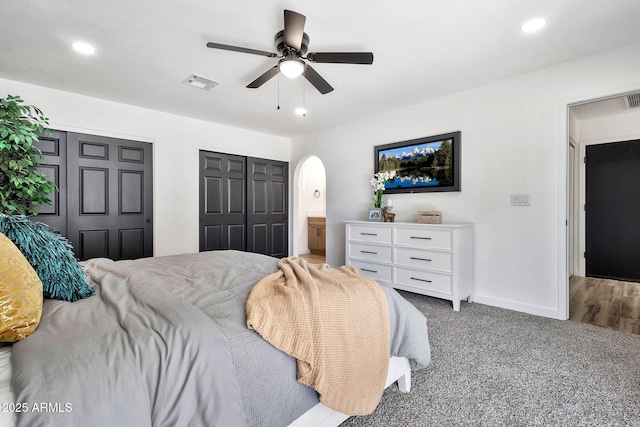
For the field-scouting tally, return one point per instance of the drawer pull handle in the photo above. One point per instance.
(368, 234)
(421, 280)
(421, 259)
(370, 271)
(369, 252)
(421, 238)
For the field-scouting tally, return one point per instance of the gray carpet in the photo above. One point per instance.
(496, 367)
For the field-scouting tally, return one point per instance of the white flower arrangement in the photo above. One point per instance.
(378, 183)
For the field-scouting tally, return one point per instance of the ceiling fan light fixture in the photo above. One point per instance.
(291, 67)
(292, 44)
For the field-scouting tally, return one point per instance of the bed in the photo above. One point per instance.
(164, 342)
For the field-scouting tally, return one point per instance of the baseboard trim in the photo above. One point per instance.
(516, 306)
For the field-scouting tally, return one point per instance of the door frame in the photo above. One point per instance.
(573, 195)
(564, 106)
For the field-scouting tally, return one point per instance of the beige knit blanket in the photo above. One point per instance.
(335, 322)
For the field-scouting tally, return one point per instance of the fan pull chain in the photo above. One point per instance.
(278, 91)
(304, 104)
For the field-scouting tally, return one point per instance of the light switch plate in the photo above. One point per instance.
(520, 200)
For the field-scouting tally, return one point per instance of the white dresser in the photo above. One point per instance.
(429, 259)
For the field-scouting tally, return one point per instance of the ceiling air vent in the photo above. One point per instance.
(200, 82)
(632, 100)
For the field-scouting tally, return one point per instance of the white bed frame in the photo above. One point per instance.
(323, 416)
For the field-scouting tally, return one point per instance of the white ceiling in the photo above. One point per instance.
(423, 49)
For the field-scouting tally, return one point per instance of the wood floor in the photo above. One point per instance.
(313, 259)
(607, 303)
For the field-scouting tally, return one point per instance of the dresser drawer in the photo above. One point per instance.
(426, 280)
(379, 272)
(430, 260)
(370, 252)
(367, 233)
(424, 238)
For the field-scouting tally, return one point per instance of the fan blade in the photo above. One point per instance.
(241, 49)
(263, 78)
(341, 57)
(316, 80)
(293, 29)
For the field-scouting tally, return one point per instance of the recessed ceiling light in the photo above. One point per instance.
(84, 48)
(533, 25)
(301, 111)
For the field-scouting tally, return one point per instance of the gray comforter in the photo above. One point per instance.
(164, 343)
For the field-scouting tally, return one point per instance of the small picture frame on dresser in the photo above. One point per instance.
(375, 214)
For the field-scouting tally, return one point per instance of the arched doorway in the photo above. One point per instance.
(309, 200)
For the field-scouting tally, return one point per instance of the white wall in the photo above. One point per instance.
(514, 140)
(599, 130)
(176, 142)
(620, 127)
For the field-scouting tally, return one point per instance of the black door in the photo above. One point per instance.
(243, 204)
(267, 225)
(222, 201)
(54, 166)
(613, 210)
(110, 197)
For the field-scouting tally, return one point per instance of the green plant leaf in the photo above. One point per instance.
(22, 185)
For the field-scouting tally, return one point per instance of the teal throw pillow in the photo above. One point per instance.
(51, 256)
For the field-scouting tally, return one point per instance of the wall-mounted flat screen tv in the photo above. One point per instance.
(428, 164)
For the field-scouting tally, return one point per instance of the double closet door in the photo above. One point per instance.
(104, 205)
(243, 204)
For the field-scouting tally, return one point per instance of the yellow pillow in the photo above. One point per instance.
(20, 294)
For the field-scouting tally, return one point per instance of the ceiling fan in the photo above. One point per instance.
(292, 44)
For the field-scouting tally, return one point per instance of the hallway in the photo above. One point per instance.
(313, 259)
(607, 303)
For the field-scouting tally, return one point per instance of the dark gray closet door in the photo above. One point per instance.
(110, 197)
(222, 201)
(612, 217)
(267, 225)
(54, 166)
